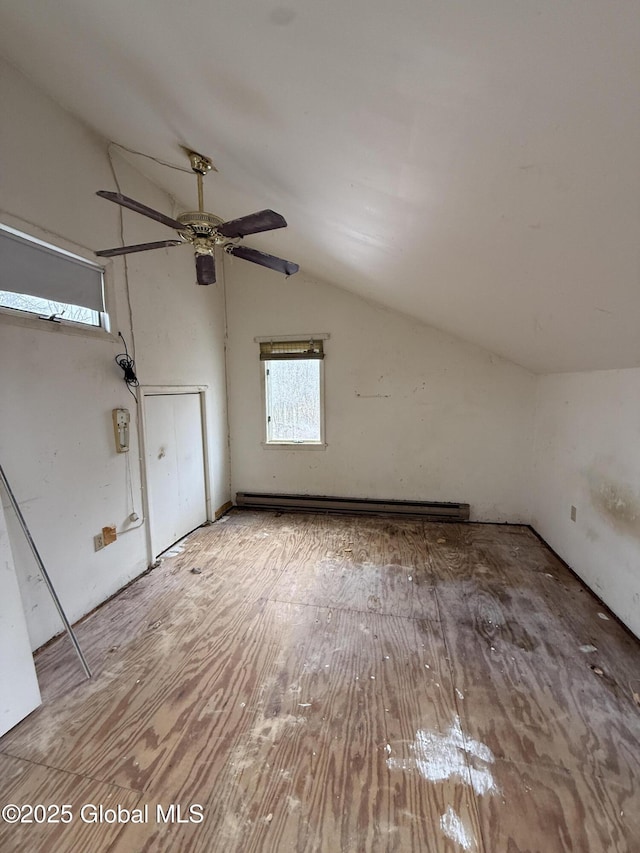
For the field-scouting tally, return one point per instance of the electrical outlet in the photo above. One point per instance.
(98, 542)
(574, 512)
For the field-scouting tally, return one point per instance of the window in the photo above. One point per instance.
(293, 391)
(41, 279)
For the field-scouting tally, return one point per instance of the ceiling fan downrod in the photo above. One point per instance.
(200, 165)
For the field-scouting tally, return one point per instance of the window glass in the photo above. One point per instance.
(48, 308)
(293, 400)
(43, 279)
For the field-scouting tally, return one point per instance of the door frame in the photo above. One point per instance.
(163, 390)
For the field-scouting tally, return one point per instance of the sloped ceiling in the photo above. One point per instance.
(472, 163)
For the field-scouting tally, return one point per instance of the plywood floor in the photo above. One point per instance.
(338, 684)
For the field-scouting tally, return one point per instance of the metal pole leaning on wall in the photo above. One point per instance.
(47, 579)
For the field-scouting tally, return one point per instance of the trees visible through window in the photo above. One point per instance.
(48, 308)
(293, 391)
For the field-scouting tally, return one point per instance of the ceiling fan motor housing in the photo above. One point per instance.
(200, 222)
(200, 229)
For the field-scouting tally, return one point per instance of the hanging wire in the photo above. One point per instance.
(128, 365)
(150, 157)
(124, 258)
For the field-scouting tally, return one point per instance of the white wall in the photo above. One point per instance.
(411, 413)
(587, 454)
(57, 390)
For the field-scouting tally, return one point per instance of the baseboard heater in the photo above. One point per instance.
(431, 510)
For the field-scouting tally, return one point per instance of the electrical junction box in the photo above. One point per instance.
(109, 535)
(121, 419)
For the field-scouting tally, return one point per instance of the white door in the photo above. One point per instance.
(19, 691)
(175, 467)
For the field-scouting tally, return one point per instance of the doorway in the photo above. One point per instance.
(175, 463)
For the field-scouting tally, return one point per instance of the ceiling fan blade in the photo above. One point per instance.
(263, 220)
(138, 207)
(205, 269)
(139, 247)
(265, 260)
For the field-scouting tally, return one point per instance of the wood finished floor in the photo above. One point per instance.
(340, 684)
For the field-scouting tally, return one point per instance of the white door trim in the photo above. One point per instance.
(153, 391)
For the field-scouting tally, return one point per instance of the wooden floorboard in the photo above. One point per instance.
(22, 782)
(337, 684)
(542, 809)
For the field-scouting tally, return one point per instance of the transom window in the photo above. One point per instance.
(42, 279)
(293, 391)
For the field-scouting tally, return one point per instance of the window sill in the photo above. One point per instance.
(293, 445)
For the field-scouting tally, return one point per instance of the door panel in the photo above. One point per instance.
(175, 467)
(19, 691)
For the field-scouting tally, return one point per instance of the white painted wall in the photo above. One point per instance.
(58, 390)
(410, 412)
(587, 454)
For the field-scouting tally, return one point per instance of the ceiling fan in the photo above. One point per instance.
(204, 231)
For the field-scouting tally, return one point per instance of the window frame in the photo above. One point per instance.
(291, 445)
(32, 320)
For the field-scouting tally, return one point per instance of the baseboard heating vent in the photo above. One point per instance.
(321, 503)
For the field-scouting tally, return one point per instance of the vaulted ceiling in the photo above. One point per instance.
(472, 163)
